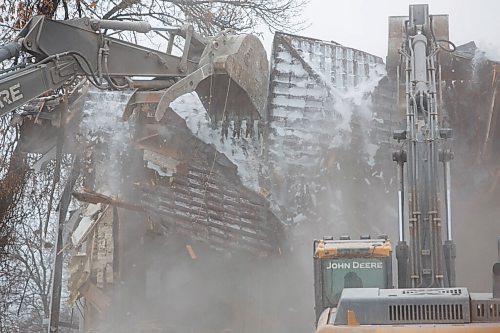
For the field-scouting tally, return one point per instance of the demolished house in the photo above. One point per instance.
(177, 192)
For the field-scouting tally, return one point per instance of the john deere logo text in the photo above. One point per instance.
(355, 265)
(10, 95)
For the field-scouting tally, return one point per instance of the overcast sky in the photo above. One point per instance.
(363, 24)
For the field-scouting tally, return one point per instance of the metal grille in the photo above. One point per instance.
(486, 310)
(426, 313)
(444, 291)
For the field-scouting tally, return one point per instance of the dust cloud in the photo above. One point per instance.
(475, 197)
(165, 289)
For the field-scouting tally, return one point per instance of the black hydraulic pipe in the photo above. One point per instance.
(402, 256)
(10, 50)
(450, 253)
(496, 275)
(496, 280)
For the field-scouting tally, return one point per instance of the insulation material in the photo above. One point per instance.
(91, 217)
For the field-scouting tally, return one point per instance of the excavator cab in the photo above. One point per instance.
(346, 263)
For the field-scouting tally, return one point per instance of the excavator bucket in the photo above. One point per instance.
(231, 80)
(237, 89)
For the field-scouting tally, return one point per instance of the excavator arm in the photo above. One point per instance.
(23, 86)
(104, 56)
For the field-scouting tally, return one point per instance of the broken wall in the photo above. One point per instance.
(329, 136)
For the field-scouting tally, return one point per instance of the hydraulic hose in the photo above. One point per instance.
(10, 50)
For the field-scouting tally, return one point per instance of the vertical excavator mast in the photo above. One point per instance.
(424, 262)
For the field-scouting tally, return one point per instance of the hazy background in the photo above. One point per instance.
(363, 24)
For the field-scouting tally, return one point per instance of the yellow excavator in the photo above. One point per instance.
(353, 278)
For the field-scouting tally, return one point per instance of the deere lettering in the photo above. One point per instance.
(354, 265)
(10, 95)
